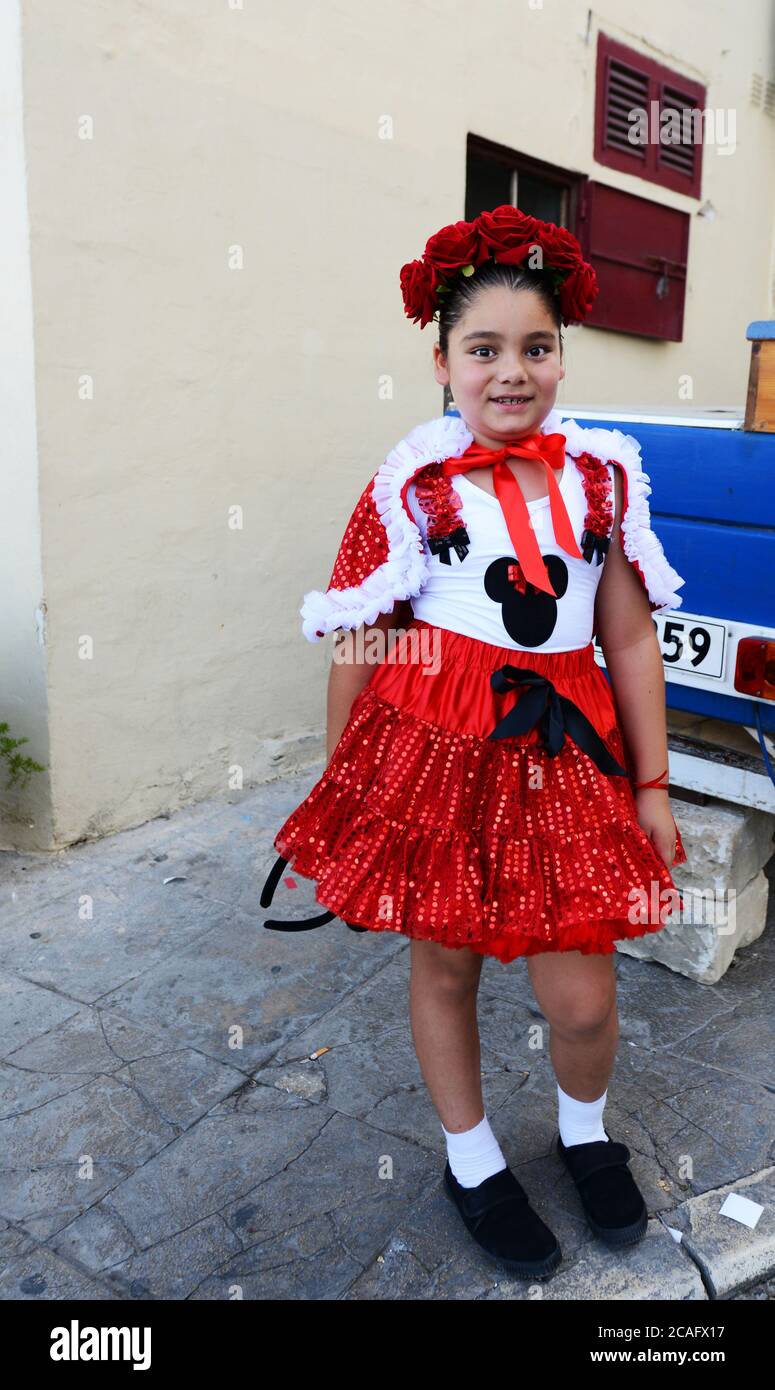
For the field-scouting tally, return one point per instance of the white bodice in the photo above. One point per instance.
(474, 596)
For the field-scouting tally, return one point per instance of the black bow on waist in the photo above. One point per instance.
(556, 714)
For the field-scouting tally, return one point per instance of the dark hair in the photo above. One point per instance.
(514, 277)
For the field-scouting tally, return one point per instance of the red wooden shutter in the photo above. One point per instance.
(622, 88)
(639, 250)
(626, 79)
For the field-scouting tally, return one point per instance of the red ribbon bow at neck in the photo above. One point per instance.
(548, 449)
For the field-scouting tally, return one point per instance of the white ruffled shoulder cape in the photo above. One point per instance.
(402, 575)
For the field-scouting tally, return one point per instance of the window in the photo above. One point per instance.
(626, 82)
(497, 175)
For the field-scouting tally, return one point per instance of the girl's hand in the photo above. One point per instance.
(656, 818)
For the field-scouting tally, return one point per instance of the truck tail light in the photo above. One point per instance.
(755, 668)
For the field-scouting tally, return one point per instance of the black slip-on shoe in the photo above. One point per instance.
(501, 1220)
(610, 1196)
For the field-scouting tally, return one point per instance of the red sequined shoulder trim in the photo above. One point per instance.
(599, 519)
(441, 503)
(439, 500)
(597, 490)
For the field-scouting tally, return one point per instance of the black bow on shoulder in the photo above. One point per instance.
(556, 714)
(440, 545)
(594, 547)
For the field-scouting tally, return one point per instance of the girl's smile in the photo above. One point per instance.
(504, 365)
(511, 404)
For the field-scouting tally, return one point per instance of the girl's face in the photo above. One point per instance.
(505, 344)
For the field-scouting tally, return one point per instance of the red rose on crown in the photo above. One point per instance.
(561, 249)
(455, 246)
(578, 294)
(419, 282)
(508, 234)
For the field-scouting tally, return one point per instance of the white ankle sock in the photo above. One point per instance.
(474, 1154)
(581, 1121)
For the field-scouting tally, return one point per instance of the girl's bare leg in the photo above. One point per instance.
(442, 1007)
(577, 995)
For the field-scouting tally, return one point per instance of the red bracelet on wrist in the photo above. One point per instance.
(655, 782)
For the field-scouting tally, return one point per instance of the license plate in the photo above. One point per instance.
(689, 644)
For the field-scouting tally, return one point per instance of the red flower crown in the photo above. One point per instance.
(506, 235)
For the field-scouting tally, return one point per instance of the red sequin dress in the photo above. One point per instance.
(435, 817)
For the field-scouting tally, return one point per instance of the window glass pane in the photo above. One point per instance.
(541, 199)
(488, 185)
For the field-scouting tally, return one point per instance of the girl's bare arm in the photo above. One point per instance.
(628, 636)
(347, 678)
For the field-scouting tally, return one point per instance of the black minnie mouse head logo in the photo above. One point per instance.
(530, 617)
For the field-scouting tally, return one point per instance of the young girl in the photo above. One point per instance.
(487, 792)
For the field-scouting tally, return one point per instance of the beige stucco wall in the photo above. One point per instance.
(153, 647)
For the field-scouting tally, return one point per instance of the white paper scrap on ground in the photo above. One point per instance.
(742, 1209)
(677, 1235)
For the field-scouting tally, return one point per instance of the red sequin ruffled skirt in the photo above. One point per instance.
(423, 825)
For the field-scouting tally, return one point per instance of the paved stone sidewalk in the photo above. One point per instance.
(165, 1134)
